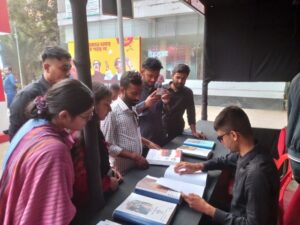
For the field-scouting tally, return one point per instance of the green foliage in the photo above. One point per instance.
(36, 25)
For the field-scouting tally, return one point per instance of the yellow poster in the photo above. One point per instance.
(105, 57)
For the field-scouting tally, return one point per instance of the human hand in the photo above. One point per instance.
(152, 99)
(141, 162)
(117, 175)
(114, 183)
(187, 167)
(165, 98)
(199, 204)
(199, 135)
(151, 144)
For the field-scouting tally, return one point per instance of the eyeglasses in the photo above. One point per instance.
(220, 138)
(88, 117)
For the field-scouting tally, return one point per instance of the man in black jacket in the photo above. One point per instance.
(56, 66)
(293, 128)
(153, 102)
(181, 100)
(256, 185)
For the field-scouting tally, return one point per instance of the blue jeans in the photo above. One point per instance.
(10, 97)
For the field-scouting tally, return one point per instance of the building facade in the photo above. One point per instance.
(169, 30)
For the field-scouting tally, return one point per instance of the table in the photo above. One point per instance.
(183, 211)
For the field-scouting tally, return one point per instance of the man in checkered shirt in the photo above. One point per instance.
(121, 127)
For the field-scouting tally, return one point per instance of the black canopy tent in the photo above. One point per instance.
(245, 40)
(250, 40)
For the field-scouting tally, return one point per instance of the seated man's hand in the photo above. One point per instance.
(199, 204)
(187, 167)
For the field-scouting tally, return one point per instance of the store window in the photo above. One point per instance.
(175, 42)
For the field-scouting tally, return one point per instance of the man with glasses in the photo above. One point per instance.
(256, 185)
(56, 66)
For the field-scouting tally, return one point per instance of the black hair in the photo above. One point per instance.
(130, 77)
(100, 91)
(115, 87)
(152, 64)
(55, 52)
(233, 118)
(68, 94)
(181, 68)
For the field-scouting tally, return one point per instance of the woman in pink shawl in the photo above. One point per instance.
(36, 185)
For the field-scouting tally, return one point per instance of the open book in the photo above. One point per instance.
(140, 209)
(107, 222)
(202, 153)
(164, 157)
(186, 183)
(199, 143)
(148, 186)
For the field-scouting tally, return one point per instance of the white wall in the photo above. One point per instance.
(270, 90)
(141, 9)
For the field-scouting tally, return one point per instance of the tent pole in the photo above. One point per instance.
(82, 62)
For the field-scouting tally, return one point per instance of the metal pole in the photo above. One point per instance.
(82, 62)
(205, 80)
(18, 54)
(204, 99)
(121, 34)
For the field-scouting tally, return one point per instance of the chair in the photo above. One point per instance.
(292, 213)
(285, 179)
(281, 146)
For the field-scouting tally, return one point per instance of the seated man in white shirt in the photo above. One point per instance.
(121, 127)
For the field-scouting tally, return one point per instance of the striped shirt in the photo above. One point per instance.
(122, 131)
(36, 185)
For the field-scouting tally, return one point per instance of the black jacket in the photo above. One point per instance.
(255, 190)
(293, 128)
(17, 109)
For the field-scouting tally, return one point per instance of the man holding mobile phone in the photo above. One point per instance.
(181, 100)
(153, 102)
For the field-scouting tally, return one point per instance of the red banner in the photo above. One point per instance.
(4, 22)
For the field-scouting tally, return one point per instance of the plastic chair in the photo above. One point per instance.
(284, 167)
(284, 182)
(281, 146)
(292, 213)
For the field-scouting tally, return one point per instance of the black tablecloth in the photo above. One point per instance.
(183, 213)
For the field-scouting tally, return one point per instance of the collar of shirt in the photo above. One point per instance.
(169, 87)
(44, 83)
(125, 107)
(122, 104)
(244, 160)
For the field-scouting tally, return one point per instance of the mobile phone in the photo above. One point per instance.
(160, 91)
